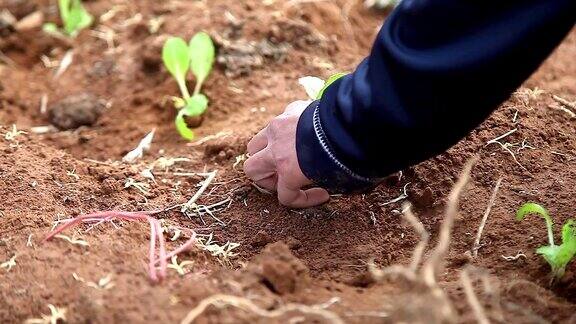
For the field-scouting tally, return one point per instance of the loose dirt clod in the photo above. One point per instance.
(79, 110)
(280, 270)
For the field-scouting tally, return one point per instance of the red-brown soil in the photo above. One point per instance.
(286, 256)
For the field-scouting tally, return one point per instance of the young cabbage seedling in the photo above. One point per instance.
(180, 57)
(315, 87)
(557, 256)
(74, 18)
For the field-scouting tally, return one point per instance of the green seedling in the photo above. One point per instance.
(315, 87)
(557, 256)
(179, 58)
(74, 18)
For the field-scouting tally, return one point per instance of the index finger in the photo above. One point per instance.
(258, 142)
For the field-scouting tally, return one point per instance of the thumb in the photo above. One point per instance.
(298, 198)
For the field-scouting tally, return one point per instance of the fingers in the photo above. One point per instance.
(258, 142)
(260, 165)
(298, 198)
(269, 183)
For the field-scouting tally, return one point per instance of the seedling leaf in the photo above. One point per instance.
(77, 19)
(182, 127)
(569, 232)
(50, 28)
(333, 78)
(195, 106)
(74, 17)
(202, 53)
(558, 257)
(533, 208)
(176, 58)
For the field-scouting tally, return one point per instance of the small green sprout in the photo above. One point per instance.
(180, 57)
(558, 256)
(333, 78)
(74, 17)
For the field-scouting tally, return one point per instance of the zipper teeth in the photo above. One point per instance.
(326, 147)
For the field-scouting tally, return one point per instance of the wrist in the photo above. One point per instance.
(317, 159)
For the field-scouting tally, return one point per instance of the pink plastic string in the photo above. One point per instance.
(155, 234)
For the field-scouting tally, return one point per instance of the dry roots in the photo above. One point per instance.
(221, 301)
(435, 263)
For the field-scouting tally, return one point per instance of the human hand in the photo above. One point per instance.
(273, 162)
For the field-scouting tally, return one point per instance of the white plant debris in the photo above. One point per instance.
(191, 205)
(105, 34)
(203, 140)
(155, 23)
(514, 257)
(143, 187)
(72, 174)
(43, 129)
(44, 104)
(64, 64)
(147, 173)
(165, 163)
(103, 283)
(29, 242)
(142, 147)
(8, 265)
(381, 4)
(402, 196)
(224, 253)
(239, 159)
(72, 240)
(179, 267)
(12, 134)
(57, 315)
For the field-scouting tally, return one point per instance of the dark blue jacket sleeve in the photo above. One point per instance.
(438, 68)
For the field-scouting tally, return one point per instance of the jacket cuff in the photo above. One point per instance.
(317, 160)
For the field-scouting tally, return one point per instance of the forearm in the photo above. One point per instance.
(437, 70)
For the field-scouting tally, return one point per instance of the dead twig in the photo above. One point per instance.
(514, 257)
(571, 105)
(564, 110)
(424, 236)
(506, 146)
(192, 202)
(476, 245)
(402, 196)
(434, 264)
